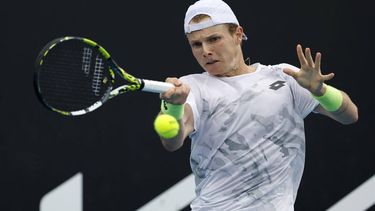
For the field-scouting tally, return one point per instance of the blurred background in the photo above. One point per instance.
(122, 161)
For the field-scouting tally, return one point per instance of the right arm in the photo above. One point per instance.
(178, 96)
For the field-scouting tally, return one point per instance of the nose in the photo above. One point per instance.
(206, 50)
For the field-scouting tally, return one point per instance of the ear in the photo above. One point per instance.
(239, 33)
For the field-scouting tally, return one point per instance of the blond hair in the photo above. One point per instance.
(198, 18)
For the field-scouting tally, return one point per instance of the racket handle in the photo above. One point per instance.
(156, 86)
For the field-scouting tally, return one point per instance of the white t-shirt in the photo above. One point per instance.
(248, 146)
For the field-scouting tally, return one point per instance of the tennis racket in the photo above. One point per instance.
(75, 76)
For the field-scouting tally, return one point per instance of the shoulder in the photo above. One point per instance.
(192, 79)
(286, 65)
(193, 76)
(277, 69)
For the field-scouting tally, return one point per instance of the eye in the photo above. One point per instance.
(214, 39)
(196, 44)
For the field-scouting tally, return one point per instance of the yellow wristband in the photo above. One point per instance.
(177, 111)
(331, 100)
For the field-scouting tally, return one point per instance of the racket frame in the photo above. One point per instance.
(134, 84)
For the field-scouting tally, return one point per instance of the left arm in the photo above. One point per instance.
(311, 78)
(346, 114)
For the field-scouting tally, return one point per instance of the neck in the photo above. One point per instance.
(239, 69)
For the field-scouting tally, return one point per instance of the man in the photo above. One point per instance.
(245, 121)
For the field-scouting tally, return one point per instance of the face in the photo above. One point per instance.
(217, 50)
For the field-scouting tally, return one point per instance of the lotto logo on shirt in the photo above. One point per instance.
(277, 85)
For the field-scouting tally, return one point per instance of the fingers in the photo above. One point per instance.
(169, 93)
(318, 58)
(310, 60)
(173, 81)
(328, 77)
(306, 58)
(290, 72)
(301, 56)
(315, 64)
(178, 94)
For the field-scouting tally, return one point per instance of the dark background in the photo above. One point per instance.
(115, 147)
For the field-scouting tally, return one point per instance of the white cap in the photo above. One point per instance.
(218, 10)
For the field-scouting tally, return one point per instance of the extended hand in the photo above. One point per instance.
(309, 76)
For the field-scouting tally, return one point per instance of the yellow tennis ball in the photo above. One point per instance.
(166, 126)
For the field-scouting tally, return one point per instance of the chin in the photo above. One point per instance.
(216, 74)
(213, 71)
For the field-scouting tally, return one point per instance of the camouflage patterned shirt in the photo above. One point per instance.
(248, 146)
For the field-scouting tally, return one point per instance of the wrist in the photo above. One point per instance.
(331, 98)
(320, 91)
(175, 110)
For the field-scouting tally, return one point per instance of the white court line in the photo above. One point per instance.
(66, 197)
(360, 199)
(175, 198)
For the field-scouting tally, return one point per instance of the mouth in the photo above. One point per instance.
(212, 62)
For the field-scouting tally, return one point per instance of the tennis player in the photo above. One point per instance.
(245, 122)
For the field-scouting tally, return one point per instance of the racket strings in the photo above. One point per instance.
(86, 60)
(73, 76)
(98, 75)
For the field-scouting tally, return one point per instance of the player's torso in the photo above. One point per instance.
(249, 136)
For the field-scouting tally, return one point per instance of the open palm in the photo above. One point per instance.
(309, 76)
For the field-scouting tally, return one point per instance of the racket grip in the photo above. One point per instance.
(156, 86)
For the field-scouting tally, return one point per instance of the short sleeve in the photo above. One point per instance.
(304, 101)
(194, 100)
